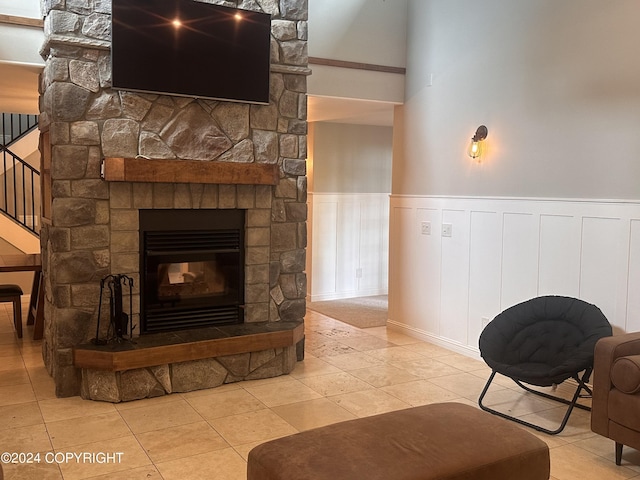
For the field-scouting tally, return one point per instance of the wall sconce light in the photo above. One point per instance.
(476, 146)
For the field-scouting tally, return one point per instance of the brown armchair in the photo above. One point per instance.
(615, 409)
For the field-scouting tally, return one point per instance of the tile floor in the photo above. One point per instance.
(347, 373)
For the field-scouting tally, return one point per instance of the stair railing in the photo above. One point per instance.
(14, 126)
(19, 182)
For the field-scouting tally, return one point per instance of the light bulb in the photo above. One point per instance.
(475, 149)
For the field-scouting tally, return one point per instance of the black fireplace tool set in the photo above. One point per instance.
(120, 323)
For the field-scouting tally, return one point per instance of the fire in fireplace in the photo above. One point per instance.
(191, 268)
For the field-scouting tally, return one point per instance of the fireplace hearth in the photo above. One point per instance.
(192, 265)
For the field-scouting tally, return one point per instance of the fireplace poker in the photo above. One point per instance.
(120, 323)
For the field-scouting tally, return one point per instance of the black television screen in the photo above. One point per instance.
(190, 48)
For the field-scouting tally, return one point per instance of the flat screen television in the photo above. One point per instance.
(190, 48)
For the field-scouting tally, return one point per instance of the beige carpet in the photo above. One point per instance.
(362, 312)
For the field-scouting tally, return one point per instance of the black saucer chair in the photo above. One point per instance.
(543, 342)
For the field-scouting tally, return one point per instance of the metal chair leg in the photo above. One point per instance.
(573, 403)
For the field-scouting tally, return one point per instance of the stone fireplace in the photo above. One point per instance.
(110, 156)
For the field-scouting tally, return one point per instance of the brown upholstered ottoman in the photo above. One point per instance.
(443, 441)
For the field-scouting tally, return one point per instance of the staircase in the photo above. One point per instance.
(19, 180)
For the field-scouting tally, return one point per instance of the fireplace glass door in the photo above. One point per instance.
(192, 278)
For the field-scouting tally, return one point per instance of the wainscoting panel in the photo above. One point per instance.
(603, 258)
(503, 251)
(559, 259)
(484, 269)
(349, 245)
(519, 258)
(325, 236)
(454, 289)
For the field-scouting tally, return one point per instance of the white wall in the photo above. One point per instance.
(21, 8)
(349, 169)
(362, 31)
(351, 158)
(366, 31)
(557, 83)
(558, 87)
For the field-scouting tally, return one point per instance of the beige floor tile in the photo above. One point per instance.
(427, 368)
(312, 366)
(485, 373)
(265, 381)
(395, 337)
(32, 438)
(72, 407)
(227, 465)
(149, 402)
(9, 350)
(12, 362)
(160, 416)
(396, 354)
(283, 393)
(328, 348)
(383, 375)
(32, 359)
(512, 402)
(369, 402)
(8, 338)
(207, 391)
(258, 426)
(604, 447)
(464, 384)
(16, 376)
(335, 384)
(420, 392)
(20, 415)
(45, 389)
(313, 413)
(14, 394)
(32, 471)
(243, 450)
(39, 373)
(230, 402)
(81, 430)
(578, 426)
(462, 362)
(142, 473)
(182, 441)
(353, 361)
(342, 331)
(366, 343)
(132, 456)
(428, 349)
(630, 458)
(570, 462)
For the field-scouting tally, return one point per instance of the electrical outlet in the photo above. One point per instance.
(447, 230)
(485, 321)
(425, 228)
(358, 273)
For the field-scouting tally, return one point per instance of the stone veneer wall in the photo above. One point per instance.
(93, 226)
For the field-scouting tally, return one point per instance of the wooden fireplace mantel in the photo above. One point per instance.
(188, 171)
